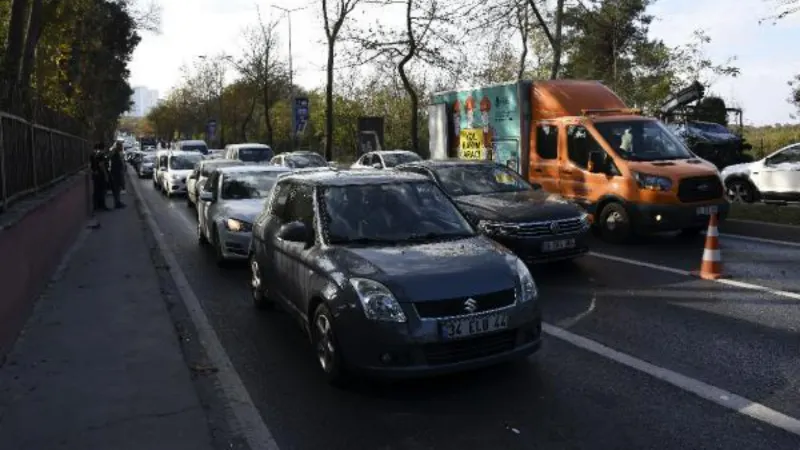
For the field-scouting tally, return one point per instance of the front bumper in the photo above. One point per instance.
(235, 245)
(416, 349)
(655, 217)
(531, 249)
(176, 187)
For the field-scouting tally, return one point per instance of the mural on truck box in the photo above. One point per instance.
(495, 111)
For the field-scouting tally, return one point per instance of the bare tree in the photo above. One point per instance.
(333, 20)
(207, 82)
(423, 38)
(261, 66)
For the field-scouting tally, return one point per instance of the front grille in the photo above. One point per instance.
(455, 306)
(467, 349)
(537, 229)
(698, 189)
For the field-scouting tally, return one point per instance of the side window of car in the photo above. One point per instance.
(300, 205)
(547, 141)
(279, 200)
(211, 183)
(366, 160)
(162, 162)
(579, 144)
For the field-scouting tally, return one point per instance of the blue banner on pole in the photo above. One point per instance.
(300, 114)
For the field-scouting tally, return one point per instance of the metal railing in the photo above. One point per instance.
(34, 157)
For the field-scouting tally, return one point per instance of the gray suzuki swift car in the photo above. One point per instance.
(388, 278)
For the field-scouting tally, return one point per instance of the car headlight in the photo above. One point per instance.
(585, 222)
(526, 291)
(378, 301)
(175, 177)
(490, 227)
(238, 225)
(652, 182)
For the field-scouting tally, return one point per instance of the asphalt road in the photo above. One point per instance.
(740, 340)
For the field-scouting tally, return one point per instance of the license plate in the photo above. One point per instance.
(706, 210)
(554, 246)
(461, 328)
(472, 154)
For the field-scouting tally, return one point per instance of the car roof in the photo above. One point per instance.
(392, 152)
(182, 153)
(193, 141)
(300, 152)
(251, 168)
(351, 177)
(250, 145)
(453, 162)
(221, 162)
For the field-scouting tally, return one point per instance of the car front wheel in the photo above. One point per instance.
(740, 191)
(615, 223)
(327, 347)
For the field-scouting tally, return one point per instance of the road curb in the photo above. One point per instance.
(242, 417)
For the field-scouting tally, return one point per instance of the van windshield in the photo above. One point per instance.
(642, 140)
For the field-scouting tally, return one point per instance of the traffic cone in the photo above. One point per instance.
(711, 266)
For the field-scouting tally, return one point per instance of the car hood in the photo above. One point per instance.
(181, 173)
(246, 210)
(430, 271)
(525, 206)
(675, 169)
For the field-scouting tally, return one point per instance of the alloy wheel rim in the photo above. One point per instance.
(255, 280)
(325, 347)
(737, 193)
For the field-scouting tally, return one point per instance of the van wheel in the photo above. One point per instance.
(615, 224)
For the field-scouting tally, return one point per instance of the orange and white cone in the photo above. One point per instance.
(711, 266)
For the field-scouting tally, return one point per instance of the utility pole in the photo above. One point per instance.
(291, 71)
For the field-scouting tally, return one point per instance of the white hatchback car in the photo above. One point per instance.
(776, 177)
(178, 167)
(385, 159)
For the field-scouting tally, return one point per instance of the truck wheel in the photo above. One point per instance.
(740, 191)
(615, 223)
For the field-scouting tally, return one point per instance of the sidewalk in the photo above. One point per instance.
(98, 365)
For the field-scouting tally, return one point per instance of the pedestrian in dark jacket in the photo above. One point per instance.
(99, 178)
(117, 171)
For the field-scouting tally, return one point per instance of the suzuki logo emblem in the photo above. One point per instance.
(470, 305)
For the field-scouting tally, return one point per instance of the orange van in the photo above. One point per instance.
(579, 139)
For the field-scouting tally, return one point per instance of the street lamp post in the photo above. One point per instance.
(291, 71)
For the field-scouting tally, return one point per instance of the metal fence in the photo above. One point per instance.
(34, 157)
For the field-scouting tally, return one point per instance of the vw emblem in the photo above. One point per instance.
(470, 305)
(555, 228)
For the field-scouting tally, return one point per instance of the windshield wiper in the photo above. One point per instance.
(362, 241)
(435, 236)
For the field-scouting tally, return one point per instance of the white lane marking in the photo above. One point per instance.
(246, 419)
(761, 240)
(725, 281)
(711, 393)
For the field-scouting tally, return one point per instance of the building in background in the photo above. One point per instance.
(144, 100)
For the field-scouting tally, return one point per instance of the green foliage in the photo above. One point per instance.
(712, 109)
(766, 140)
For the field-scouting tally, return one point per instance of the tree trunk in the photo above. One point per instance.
(247, 119)
(34, 33)
(329, 102)
(557, 40)
(267, 115)
(15, 44)
(401, 69)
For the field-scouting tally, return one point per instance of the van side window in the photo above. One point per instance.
(547, 141)
(579, 144)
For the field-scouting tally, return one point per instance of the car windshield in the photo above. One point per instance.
(390, 213)
(480, 179)
(642, 140)
(149, 158)
(303, 160)
(395, 159)
(240, 186)
(184, 162)
(255, 154)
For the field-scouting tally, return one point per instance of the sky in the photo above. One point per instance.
(767, 54)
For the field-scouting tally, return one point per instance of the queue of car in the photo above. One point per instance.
(427, 258)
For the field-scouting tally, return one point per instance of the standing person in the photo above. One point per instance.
(117, 172)
(99, 178)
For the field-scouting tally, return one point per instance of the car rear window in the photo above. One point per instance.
(255, 154)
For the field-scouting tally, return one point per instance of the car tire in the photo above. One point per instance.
(615, 224)
(261, 300)
(326, 347)
(217, 245)
(201, 238)
(740, 191)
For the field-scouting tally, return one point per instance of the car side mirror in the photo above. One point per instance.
(377, 166)
(537, 186)
(295, 232)
(206, 196)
